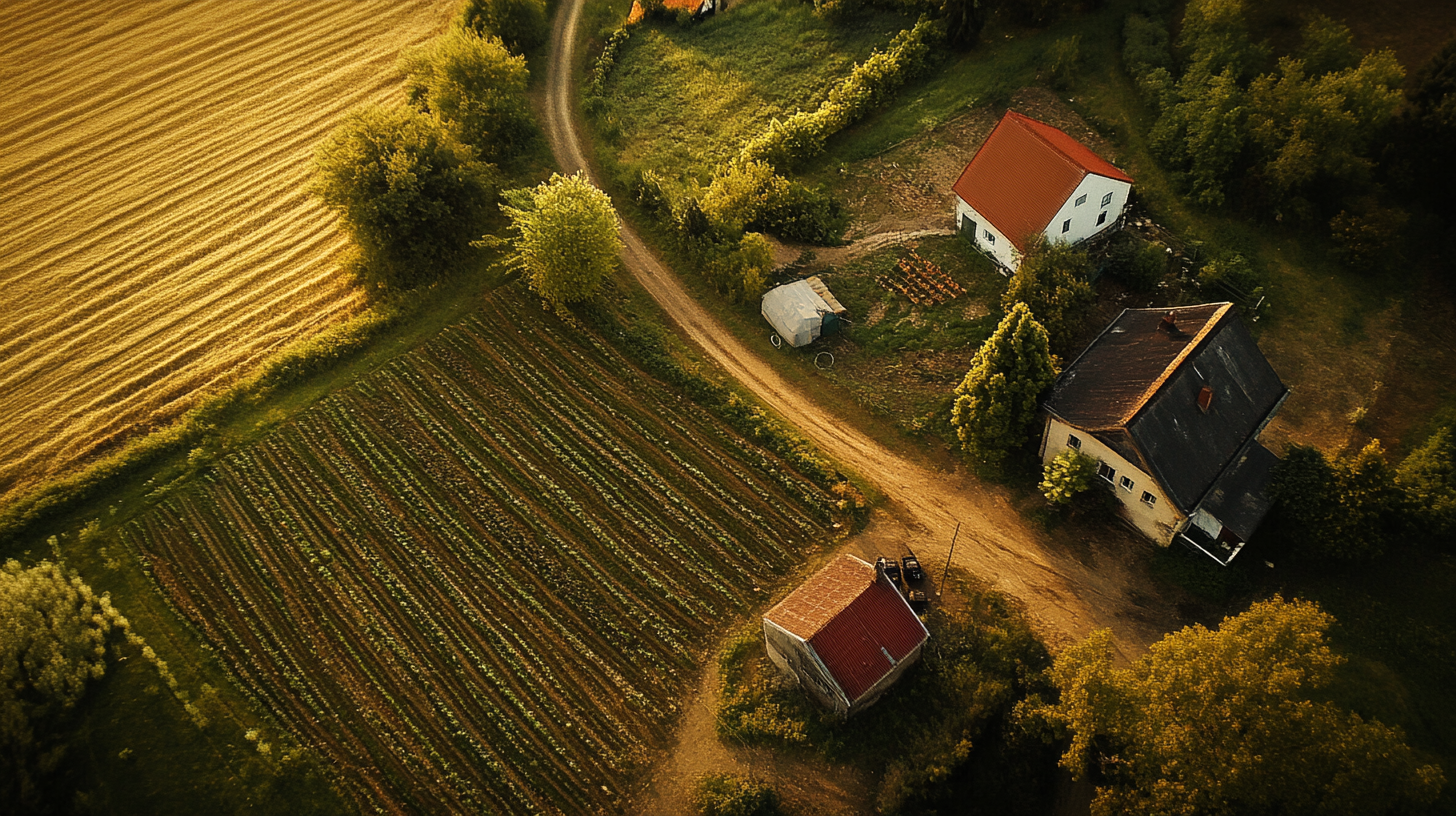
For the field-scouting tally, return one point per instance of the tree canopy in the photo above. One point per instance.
(1052, 282)
(1067, 475)
(1224, 721)
(1428, 476)
(407, 191)
(520, 24)
(474, 85)
(566, 237)
(52, 644)
(995, 405)
(1346, 508)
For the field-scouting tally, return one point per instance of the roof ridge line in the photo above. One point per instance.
(1213, 322)
(1022, 119)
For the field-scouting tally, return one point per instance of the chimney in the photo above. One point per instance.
(1169, 324)
(1205, 398)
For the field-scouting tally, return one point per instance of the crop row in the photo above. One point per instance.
(480, 579)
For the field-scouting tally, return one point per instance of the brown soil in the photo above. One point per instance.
(1067, 588)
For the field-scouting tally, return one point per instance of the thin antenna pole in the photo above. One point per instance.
(941, 586)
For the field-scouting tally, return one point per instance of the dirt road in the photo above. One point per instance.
(1068, 588)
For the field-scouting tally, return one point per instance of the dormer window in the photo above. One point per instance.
(1205, 398)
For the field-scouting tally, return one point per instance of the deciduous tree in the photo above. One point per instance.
(408, 192)
(53, 636)
(1428, 477)
(1226, 721)
(520, 24)
(566, 237)
(475, 86)
(1052, 282)
(995, 405)
(1344, 509)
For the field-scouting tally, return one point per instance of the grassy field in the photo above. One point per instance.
(481, 578)
(684, 98)
(159, 237)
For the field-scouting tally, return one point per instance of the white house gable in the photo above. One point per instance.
(1094, 206)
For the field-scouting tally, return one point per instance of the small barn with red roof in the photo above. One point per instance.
(1031, 179)
(847, 634)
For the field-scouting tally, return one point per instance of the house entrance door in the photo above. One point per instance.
(969, 226)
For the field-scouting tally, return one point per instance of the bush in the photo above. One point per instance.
(731, 795)
(520, 24)
(1063, 60)
(410, 194)
(1231, 275)
(740, 191)
(810, 216)
(1145, 45)
(1138, 264)
(647, 191)
(1344, 509)
(597, 79)
(738, 272)
(1067, 475)
(475, 85)
(1369, 239)
(1428, 477)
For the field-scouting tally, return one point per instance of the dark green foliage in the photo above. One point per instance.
(1052, 282)
(476, 86)
(1063, 61)
(1423, 159)
(1037, 13)
(520, 24)
(647, 191)
(1347, 509)
(996, 404)
(607, 60)
(692, 222)
(408, 192)
(1138, 264)
(731, 795)
(1428, 477)
(804, 214)
(1327, 46)
(1231, 276)
(1230, 721)
(963, 21)
(1368, 239)
(738, 271)
(1145, 45)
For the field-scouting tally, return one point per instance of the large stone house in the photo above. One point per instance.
(1031, 179)
(846, 634)
(1171, 402)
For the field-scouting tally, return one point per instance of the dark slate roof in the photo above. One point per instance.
(1240, 497)
(1137, 386)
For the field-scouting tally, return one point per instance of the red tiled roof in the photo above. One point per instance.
(852, 621)
(1024, 173)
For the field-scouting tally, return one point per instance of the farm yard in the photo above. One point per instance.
(482, 578)
(159, 235)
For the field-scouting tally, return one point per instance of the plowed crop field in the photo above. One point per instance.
(155, 231)
(477, 581)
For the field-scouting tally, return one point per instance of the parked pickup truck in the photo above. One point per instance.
(891, 568)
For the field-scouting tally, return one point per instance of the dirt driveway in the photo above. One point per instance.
(1066, 588)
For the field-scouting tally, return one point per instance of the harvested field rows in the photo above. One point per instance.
(157, 234)
(477, 581)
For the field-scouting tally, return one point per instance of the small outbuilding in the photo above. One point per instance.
(803, 311)
(847, 635)
(1029, 179)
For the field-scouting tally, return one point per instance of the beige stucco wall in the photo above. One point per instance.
(1157, 522)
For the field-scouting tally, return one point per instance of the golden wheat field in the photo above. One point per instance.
(156, 234)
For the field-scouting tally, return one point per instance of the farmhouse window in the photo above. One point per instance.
(990, 239)
(1081, 199)
(1107, 199)
(1106, 471)
(1067, 225)
(1073, 442)
(1149, 499)
(1102, 218)
(1126, 484)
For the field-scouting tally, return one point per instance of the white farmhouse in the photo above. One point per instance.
(1171, 402)
(1032, 179)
